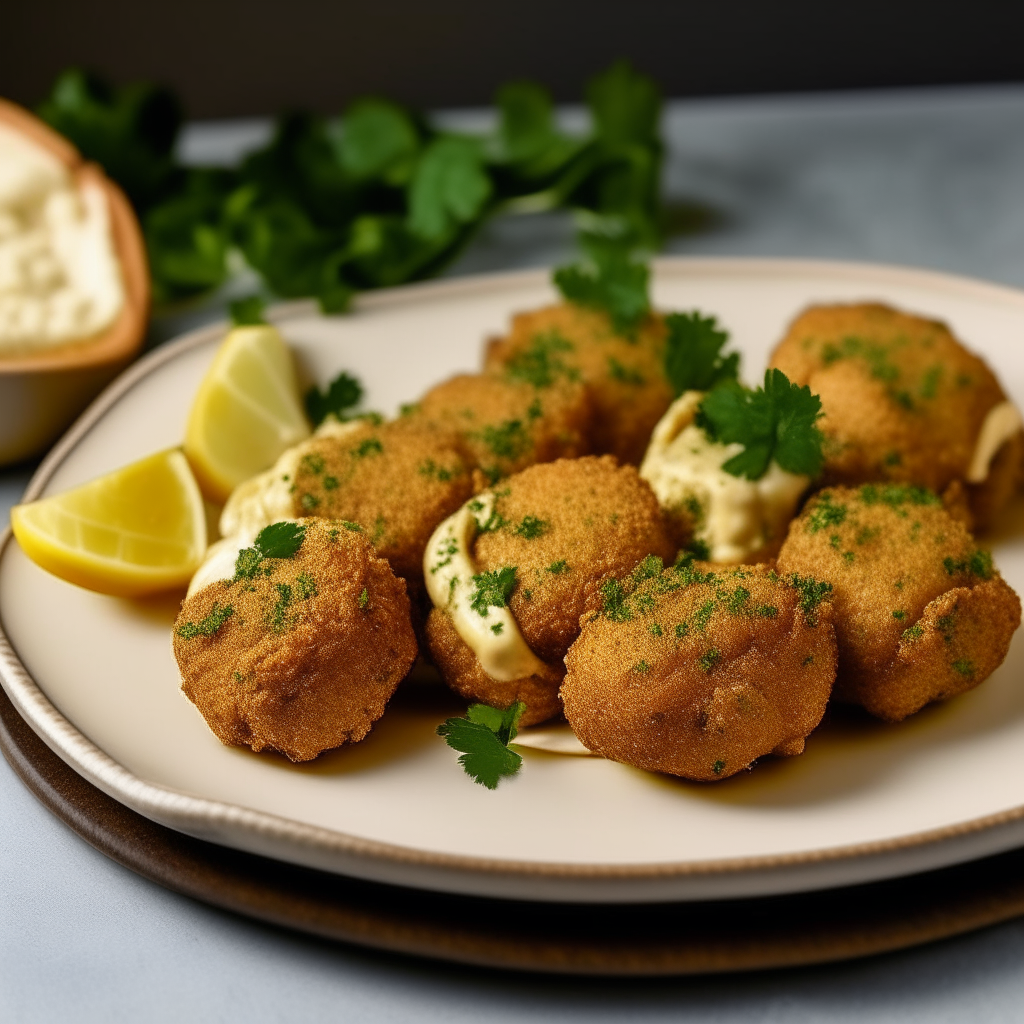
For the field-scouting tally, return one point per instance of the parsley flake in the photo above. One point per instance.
(343, 394)
(207, 626)
(493, 589)
(278, 540)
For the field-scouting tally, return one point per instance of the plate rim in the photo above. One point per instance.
(310, 844)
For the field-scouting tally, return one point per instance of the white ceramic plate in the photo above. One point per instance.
(95, 677)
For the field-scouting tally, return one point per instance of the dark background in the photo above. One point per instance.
(250, 57)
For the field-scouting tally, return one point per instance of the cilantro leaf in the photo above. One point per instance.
(247, 311)
(483, 737)
(378, 139)
(526, 128)
(343, 394)
(625, 105)
(449, 188)
(280, 540)
(611, 281)
(693, 353)
(493, 589)
(776, 422)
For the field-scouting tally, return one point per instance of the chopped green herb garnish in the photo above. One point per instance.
(483, 737)
(306, 585)
(498, 628)
(507, 440)
(825, 513)
(531, 528)
(207, 626)
(812, 593)
(897, 495)
(557, 568)
(624, 374)
(654, 629)
(278, 540)
(647, 569)
(693, 353)
(703, 616)
(278, 616)
(641, 667)
(978, 563)
(899, 614)
(248, 311)
(309, 502)
(964, 667)
(371, 446)
(540, 363)
(615, 602)
(709, 659)
(718, 767)
(776, 422)
(364, 599)
(682, 628)
(493, 589)
(342, 396)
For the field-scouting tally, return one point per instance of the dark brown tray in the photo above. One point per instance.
(687, 938)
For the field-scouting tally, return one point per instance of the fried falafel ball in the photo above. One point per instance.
(396, 481)
(904, 401)
(300, 653)
(921, 614)
(698, 673)
(503, 426)
(511, 574)
(624, 376)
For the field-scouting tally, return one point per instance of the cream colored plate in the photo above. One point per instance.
(96, 679)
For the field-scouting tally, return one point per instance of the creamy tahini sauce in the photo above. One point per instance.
(60, 279)
(1001, 423)
(735, 517)
(448, 569)
(267, 497)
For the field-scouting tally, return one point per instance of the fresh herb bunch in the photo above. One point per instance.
(777, 422)
(483, 737)
(376, 197)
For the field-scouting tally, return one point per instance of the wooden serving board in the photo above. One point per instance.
(661, 939)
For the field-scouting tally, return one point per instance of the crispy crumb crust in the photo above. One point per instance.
(625, 377)
(396, 480)
(503, 426)
(567, 526)
(458, 664)
(920, 613)
(903, 399)
(308, 674)
(701, 679)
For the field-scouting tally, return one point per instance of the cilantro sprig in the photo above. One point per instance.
(375, 197)
(611, 280)
(483, 737)
(693, 353)
(343, 394)
(775, 422)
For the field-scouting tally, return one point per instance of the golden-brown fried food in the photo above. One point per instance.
(297, 654)
(698, 673)
(624, 376)
(396, 480)
(505, 425)
(904, 401)
(920, 612)
(543, 544)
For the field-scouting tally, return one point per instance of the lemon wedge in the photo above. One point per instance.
(135, 531)
(246, 412)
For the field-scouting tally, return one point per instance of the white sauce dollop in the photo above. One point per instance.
(60, 279)
(267, 497)
(735, 517)
(1001, 423)
(448, 568)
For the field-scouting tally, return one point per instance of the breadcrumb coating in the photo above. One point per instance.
(903, 400)
(567, 527)
(625, 377)
(921, 614)
(503, 426)
(698, 671)
(395, 480)
(302, 656)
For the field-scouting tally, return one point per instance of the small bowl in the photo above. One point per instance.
(42, 392)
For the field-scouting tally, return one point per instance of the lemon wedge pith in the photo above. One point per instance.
(138, 530)
(246, 412)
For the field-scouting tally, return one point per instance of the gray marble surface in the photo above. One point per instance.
(933, 178)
